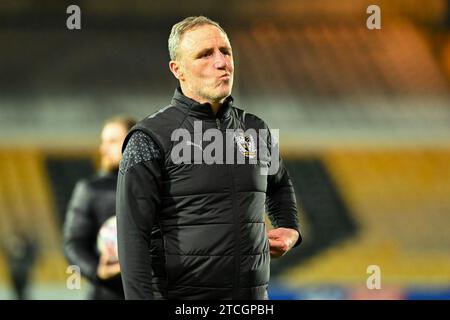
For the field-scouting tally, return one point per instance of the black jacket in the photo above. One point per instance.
(93, 202)
(196, 231)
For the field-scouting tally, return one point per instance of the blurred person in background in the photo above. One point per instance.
(92, 203)
(21, 249)
(196, 231)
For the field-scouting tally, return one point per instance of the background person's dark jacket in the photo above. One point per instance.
(196, 231)
(93, 202)
(21, 251)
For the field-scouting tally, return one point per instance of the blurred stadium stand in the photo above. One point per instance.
(364, 119)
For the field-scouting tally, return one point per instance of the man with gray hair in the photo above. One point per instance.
(195, 228)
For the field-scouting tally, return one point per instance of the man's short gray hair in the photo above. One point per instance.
(180, 28)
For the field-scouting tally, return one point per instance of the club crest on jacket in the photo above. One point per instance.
(246, 144)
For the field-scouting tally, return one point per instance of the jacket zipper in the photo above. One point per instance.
(237, 237)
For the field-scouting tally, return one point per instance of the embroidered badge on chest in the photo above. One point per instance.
(246, 144)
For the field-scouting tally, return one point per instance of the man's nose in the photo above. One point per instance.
(220, 61)
(102, 149)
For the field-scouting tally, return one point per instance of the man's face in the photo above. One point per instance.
(205, 64)
(112, 137)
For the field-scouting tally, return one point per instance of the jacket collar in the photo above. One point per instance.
(202, 110)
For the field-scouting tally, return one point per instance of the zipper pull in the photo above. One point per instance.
(218, 123)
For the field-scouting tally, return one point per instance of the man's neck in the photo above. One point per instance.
(215, 105)
(109, 170)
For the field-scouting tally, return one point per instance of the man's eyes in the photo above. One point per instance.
(226, 52)
(210, 53)
(203, 55)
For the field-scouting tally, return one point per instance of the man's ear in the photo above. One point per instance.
(176, 69)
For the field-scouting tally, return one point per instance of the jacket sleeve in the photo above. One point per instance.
(281, 204)
(138, 200)
(79, 232)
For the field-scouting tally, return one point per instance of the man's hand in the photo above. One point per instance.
(281, 240)
(108, 265)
